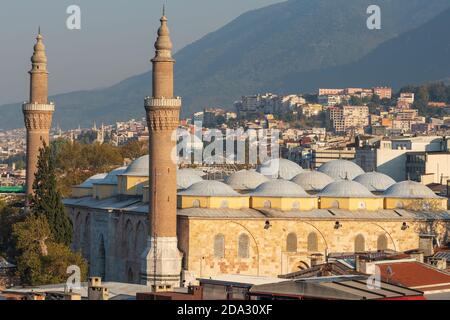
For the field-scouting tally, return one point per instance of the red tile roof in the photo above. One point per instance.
(413, 274)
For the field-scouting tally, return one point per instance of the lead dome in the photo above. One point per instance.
(245, 180)
(186, 178)
(139, 167)
(209, 188)
(375, 181)
(345, 189)
(280, 169)
(280, 188)
(409, 189)
(341, 169)
(312, 180)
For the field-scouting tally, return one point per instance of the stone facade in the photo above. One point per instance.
(112, 240)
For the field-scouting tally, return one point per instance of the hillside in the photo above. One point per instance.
(415, 57)
(262, 50)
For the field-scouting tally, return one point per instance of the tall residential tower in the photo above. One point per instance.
(38, 111)
(161, 262)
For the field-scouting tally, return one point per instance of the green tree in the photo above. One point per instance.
(134, 149)
(41, 260)
(10, 213)
(47, 200)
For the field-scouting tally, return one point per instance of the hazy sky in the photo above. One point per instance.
(115, 42)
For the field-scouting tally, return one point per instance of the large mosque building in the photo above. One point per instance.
(150, 222)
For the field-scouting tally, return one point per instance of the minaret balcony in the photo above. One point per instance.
(163, 102)
(38, 107)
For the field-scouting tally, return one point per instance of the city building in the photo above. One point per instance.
(343, 118)
(321, 156)
(389, 156)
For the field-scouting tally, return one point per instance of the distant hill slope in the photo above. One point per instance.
(419, 56)
(256, 52)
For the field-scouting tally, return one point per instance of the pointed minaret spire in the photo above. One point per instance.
(38, 72)
(163, 44)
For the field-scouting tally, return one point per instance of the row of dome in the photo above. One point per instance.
(282, 178)
(293, 189)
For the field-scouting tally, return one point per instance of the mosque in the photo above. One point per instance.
(153, 223)
(253, 224)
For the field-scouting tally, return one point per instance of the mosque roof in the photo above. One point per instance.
(341, 169)
(280, 169)
(346, 189)
(111, 178)
(139, 167)
(186, 178)
(246, 180)
(312, 180)
(280, 188)
(375, 181)
(89, 183)
(209, 188)
(138, 207)
(409, 189)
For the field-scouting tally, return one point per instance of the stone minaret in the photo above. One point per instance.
(161, 262)
(38, 111)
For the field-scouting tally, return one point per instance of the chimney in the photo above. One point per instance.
(72, 296)
(95, 289)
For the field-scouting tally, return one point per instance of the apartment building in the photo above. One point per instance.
(343, 118)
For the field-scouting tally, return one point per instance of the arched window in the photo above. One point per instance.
(399, 205)
(196, 203)
(335, 204)
(296, 205)
(224, 204)
(140, 240)
(313, 245)
(244, 246)
(291, 242)
(130, 276)
(102, 258)
(382, 242)
(87, 237)
(362, 205)
(219, 246)
(128, 240)
(78, 232)
(267, 204)
(360, 243)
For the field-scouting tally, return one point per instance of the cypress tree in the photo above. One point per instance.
(47, 200)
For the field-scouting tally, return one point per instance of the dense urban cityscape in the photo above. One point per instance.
(336, 193)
